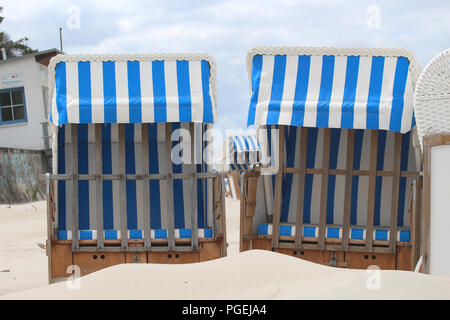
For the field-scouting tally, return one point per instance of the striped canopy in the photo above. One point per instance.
(332, 88)
(241, 143)
(238, 145)
(132, 88)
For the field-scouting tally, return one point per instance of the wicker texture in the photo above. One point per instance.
(432, 97)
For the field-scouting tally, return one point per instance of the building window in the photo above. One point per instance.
(12, 106)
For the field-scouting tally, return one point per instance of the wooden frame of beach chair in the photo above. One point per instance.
(342, 250)
(74, 252)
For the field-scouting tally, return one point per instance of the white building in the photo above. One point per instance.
(23, 100)
(24, 147)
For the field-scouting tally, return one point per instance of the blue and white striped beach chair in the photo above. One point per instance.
(338, 125)
(130, 179)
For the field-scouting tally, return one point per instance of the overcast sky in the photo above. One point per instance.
(227, 30)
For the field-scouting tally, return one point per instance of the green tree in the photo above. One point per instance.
(13, 48)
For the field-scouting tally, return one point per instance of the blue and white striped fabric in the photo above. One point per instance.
(239, 146)
(134, 234)
(324, 91)
(118, 91)
(335, 232)
(336, 192)
(182, 189)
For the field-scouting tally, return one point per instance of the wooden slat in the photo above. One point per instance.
(74, 141)
(99, 186)
(415, 222)
(395, 191)
(301, 187)
(170, 204)
(348, 188)
(278, 189)
(49, 194)
(145, 186)
(194, 214)
(324, 186)
(372, 187)
(122, 188)
(343, 172)
(426, 214)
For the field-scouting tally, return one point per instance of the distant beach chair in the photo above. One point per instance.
(343, 188)
(124, 187)
(238, 153)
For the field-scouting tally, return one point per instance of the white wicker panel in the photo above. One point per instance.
(432, 97)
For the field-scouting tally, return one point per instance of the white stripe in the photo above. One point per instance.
(123, 113)
(97, 101)
(362, 92)
(147, 98)
(177, 233)
(195, 83)
(170, 73)
(407, 106)
(290, 81)
(94, 234)
(386, 92)
(269, 229)
(73, 113)
(265, 89)
(201, 233)
(315, 76)
(337, 93)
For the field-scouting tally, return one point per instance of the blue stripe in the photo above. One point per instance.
(136, 234)
(402, 186)
(357, 234)
(359, 135)
(62, 235)
(381, 235)
(309, 232)
(130, 184)
(155, 196)
(61, 92)
(208, 233)
(134, 92)
(291, 137)
(301, 90)
(373, 101)
(286, 230)
(111, 234)
(310, 160)
(405, 235)
(61, 183)
(159, 91)
(160, 234)
(207, 104)
(326, 86)
(85, 234)
(333, 233)
(276, 95)
(109, 91)
(401, 73)
(334, 152)
(108, 207)
(84, 91)
(379, 180)
(256, 79)
(184, 91)
(185, 233)
(348, 103)
(178, 195)
(83, 185)
(263, 228)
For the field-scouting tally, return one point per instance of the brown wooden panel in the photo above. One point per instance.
(173, 257)
(362, 260)
(315, 256)
(93, 261)
(61, 258)
(262, 244)
(210, 250)
(334, 257)
(404, 258)
(135, 257)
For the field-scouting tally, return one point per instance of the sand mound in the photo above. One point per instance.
(254, 274)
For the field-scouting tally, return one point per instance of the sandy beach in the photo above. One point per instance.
(254, 274)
